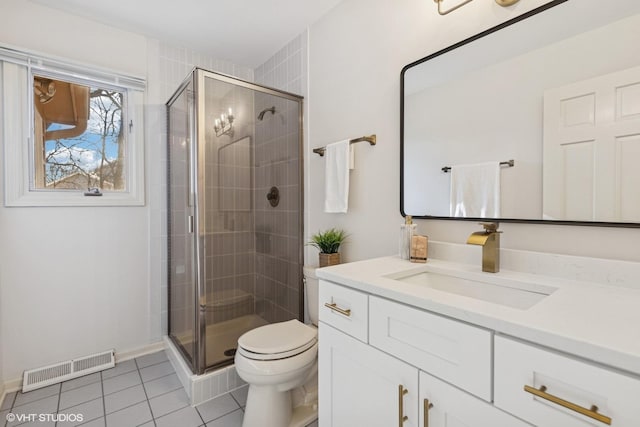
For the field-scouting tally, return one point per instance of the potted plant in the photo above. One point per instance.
(328, 243)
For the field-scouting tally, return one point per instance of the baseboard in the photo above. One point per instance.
(16, 384)
(141, 351)
(11, 386)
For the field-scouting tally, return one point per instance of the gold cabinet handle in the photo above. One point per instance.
(427, 405)
(591, 412)
(401, 416)
(333, 306)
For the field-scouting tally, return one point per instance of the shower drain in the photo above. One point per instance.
(230, 352)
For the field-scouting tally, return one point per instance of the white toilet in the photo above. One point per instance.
(275, 360)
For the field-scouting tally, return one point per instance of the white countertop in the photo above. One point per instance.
(597, 322)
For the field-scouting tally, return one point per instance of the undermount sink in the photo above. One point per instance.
(481, 286)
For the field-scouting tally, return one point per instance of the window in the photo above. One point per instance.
(68, 131)
(79, 142)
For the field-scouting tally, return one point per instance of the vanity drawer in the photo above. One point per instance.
(344, 308)
(565, 382)
(450, 350)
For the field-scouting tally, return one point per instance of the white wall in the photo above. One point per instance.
(74, 280)
(79, 280)
(356, 53)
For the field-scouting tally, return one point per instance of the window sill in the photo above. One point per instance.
(73, 198)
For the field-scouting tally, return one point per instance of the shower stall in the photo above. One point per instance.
(234, 210)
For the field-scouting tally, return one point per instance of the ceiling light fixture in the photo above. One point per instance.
(503, 3)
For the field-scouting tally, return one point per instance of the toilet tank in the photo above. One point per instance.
(311, 293)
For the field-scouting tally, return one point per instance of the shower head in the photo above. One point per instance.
(261, 115)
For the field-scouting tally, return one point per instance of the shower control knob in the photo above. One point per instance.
(273, 196)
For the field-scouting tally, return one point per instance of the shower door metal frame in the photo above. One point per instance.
(191, 360)
(198, 77)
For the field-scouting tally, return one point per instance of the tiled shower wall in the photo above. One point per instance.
(278, 242)
(287, 69)
(278, 157)
(229, 226)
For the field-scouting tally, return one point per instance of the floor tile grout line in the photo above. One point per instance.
(153, 418)
(92, 419)
(116, 376)
(180, 409)
(223, 415)
(104, 402)
(80, 386)
(123, 389)
(164, 376)
(236, 400)
(200, 415)
(33, 401)
(125, 407)
(59, 398)
(13, 401)
(137, 403)
(153, 364)
(84, 401)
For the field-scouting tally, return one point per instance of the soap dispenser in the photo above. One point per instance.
(407, 230)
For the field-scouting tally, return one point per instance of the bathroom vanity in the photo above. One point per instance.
(444, 344)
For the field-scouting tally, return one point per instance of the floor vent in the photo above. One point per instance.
(63, 371)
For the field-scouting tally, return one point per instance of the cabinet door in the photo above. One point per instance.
(360, 385)
(443, 405)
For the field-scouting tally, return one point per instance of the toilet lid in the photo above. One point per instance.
(278, 338)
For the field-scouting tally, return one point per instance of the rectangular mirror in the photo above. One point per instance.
(535, 120)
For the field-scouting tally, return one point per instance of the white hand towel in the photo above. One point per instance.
(336, 187)
(475, 190)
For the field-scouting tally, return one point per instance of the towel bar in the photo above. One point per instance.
(508, 163)
(371, 139)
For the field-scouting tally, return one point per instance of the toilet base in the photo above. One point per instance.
(304, 415)
(267, 407)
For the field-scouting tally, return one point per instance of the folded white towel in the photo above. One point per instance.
(336, 186)
(475, 190)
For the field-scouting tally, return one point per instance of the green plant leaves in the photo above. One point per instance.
(329, 241)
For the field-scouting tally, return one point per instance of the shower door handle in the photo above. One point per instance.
(190, 224)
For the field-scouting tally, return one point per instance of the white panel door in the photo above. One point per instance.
(360, 386)
(592, 149)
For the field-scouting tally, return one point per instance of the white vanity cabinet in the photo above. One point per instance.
(387, 379)
(467, 359)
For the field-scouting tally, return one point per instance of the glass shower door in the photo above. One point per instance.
(249, 209)
(180, 227)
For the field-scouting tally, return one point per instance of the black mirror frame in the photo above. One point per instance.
(471, 39)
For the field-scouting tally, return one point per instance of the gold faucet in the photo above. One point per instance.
(489, 239)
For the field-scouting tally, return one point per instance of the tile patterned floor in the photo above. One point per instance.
(141, 392)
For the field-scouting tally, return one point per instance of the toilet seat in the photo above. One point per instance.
(277, 341)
